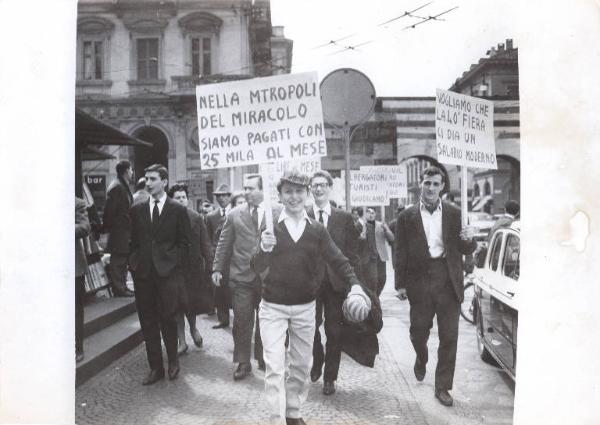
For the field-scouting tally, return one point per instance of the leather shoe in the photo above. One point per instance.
(197, 338)
(173, 370)
(315, 374)
(444, 397)
(125, 293)
(242, 371)
(221, 325)
(328, 388)
(182, 349)
(155, 375)
(261, 365)
(419, 370)
(294, 421)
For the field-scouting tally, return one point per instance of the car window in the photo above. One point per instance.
(495, 256)
(510, 266)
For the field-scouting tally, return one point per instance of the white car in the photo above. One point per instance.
(496, 308)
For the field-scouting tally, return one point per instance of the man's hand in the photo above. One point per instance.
(216, 278)
(468, 232)
(402, 294)
(267, 241)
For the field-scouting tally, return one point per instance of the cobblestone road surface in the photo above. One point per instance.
(205, 392)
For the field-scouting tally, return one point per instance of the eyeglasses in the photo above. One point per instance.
(319, 185)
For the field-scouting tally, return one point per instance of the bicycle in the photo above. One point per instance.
(467, 308)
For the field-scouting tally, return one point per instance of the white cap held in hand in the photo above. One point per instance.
(357, 305)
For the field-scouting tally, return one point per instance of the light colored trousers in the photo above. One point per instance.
(286, 392)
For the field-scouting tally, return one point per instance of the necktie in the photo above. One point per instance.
(321, 217)
(222, 212)
(155, 215)
(255, 217)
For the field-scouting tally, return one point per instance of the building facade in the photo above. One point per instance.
(138, 63)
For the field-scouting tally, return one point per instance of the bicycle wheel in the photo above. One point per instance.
(468, 305)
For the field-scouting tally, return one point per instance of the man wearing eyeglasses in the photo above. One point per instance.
(341, 228)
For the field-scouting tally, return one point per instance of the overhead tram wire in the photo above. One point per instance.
(354, 48)
(405, 14)
(430, 18)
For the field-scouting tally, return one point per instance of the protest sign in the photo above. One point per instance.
(272, 172)
(367, 188)
(260, 120)
(464, 127)
(394, 178)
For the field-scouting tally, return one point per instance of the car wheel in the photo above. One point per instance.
(483, 351)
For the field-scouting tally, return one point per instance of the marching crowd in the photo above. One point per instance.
(309, 265)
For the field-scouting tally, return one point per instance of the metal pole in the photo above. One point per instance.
(346, 131)
(463, 196)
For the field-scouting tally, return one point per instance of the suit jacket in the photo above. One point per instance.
(342, 230)
(412, 252)
(82, 229)
(359, 340)
(116, 219)
(237, 243)
(381, 236)
(198, 287)
(165, 248)
(214, 225)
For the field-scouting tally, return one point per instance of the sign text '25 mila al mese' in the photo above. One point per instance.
(260, 120)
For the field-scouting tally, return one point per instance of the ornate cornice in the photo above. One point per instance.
(93, 25)
(200, 22)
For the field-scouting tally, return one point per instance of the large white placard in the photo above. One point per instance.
(464, 128)
(394, 177)
(260, 120)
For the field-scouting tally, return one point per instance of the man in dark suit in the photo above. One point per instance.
(238, 241)
(430, 243)
(160, 231)
(342, 230)
(214, 224)
(116, 223)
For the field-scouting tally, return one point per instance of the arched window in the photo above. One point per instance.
(93, 36)
(487, 189)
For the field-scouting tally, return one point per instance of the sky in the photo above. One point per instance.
(411, 62)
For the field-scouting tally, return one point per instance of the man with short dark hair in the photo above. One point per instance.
(214, 224)
(238, 241)
(160, 232)
(430, 243)
(340, 226)
(116, 223)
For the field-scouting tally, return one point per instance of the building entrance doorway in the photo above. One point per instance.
(157, 154)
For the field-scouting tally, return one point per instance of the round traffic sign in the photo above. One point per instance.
(347, 96)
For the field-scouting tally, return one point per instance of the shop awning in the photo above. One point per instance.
(91, 131)
(91, 153)
(482, 203)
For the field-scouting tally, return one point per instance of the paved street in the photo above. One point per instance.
(205, 392)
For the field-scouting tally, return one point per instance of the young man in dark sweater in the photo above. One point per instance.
(296, 253)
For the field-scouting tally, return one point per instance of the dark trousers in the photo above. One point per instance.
(118, 272)
(246, 297)
(330, 303)
(436, 298)
(223, 301)
(374, 274)
(79, 299)
(157, 300)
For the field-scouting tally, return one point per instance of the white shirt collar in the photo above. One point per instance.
(283, 216)
(326, 210)
(161, 200)
(422, 206)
